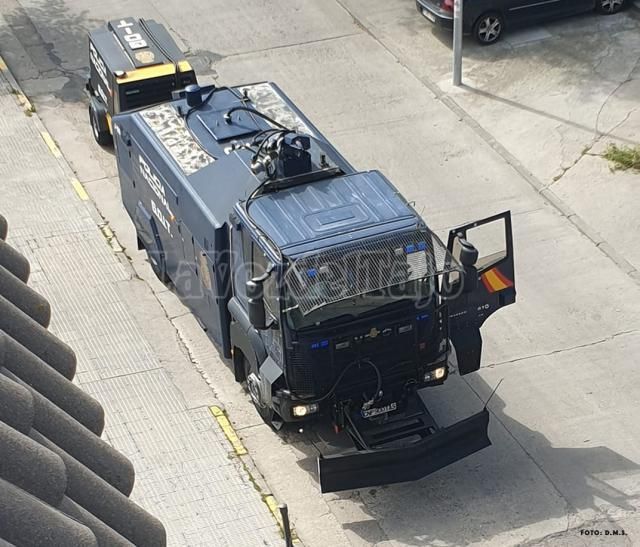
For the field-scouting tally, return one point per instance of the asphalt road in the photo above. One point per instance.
(373, 76)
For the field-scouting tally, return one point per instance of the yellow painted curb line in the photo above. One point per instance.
(227, 429)
(20, 96)
(272, 504)
(48, 139)
(240, 450)
(25, 103)
(77, 186)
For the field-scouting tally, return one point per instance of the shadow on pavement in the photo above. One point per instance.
(55, 41)
(520, 106)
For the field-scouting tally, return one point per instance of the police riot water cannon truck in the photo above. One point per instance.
(323, 285)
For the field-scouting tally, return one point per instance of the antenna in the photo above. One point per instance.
(492, 393)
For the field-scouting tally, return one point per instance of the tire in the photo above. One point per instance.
(98, 120)
(266, 412)
(488, 28)
(609, 7)
(157, 265)
(156, 261)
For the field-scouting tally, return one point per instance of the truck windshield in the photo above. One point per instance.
(417, 292)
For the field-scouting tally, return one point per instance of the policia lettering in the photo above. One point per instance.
(101, 69)
(158, 189)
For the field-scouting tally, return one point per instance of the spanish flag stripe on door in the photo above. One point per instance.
(494, 281)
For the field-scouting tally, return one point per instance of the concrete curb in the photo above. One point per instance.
(21, 98)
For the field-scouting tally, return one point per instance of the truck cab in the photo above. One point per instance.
(328, 291)
(350, 287)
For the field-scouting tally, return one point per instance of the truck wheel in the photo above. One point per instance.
(156, 261)
(98, 119)
(158, 267)
(251, 385)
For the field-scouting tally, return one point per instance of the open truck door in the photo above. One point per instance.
(485, 249)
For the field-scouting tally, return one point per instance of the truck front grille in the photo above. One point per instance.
(300, 370)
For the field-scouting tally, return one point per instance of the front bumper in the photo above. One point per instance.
(433, 13)
(392, 465)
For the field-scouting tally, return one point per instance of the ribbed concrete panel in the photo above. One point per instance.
(30, 466)
(16, 406)
(37, 339)
(82, 444)
(107, 537)
(105, 502)
(26, 520)
(14, 261)
(52, 385)
(25, 298)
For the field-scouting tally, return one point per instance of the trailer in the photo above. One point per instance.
(324, 287)
(132, 63)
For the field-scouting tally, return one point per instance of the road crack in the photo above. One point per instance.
(564, 350)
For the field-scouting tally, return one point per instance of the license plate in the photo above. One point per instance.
(373, 412)
(429, 15)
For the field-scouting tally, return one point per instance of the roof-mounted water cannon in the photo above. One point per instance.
(294, 157)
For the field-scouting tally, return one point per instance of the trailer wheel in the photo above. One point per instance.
(99, 126)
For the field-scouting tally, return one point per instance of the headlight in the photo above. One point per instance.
(436, 374)
(300, 411)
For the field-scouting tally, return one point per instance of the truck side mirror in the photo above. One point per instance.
(255, 300)
(468, 258)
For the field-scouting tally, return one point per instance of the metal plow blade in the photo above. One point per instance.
(391, 465)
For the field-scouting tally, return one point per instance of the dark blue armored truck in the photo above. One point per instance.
(323, 285)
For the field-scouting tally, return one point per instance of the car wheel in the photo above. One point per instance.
(102, 136)
(488, 28)
(609, 6)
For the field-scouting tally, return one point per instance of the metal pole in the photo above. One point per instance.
(286, 526)
(457, 42)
